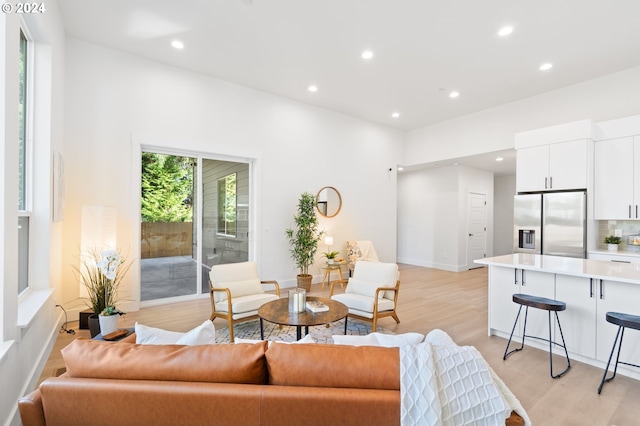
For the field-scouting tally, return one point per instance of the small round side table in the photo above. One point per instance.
(328, 267)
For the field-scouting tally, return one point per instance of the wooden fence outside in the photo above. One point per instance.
(164, 239)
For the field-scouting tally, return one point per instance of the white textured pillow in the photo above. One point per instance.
(204, 334)
(379, 339)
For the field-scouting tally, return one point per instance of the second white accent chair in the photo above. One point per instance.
(372, 291)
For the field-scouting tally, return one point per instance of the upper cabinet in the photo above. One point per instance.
(552, 167)
(555, 158)
(617, 184)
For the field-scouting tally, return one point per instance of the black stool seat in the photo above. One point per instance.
(624, 320)
(539, 302)
(549, 305)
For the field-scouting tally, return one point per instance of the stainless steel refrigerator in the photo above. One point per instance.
(553, 223)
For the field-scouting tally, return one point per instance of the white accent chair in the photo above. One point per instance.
(372, 291)
(236, 292)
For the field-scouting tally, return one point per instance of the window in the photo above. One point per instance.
(23, 167)
(227, 207)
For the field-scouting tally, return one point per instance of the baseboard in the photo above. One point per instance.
(434, 265)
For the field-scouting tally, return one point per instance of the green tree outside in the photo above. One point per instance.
(167, 188)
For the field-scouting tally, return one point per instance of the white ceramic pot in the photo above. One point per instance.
(108, 323)
(330, 261)
(612, 247)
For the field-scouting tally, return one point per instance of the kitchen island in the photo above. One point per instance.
(590, 288)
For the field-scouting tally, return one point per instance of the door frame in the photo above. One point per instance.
(468, 261)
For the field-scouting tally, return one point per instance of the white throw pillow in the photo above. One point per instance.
(347, 339)
(379, 339)
(398, 340)
(204, 334)
(305, 339)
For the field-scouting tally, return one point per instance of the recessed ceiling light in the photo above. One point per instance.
(454, 94)
(499, 159)
(177, 44)
(367, 54)
(395, 115)
(546, 67)
(313, 88)
(505, 31)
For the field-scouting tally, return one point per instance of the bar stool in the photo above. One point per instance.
(549, 305)
(622, 321)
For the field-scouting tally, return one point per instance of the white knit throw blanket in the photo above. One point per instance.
(450, 385)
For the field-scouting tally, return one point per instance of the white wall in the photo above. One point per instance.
(612, 96)
(30, 322)
(114, 98)
(504, 190)
(432, 206)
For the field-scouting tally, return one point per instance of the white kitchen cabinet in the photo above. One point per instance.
(615, 257)
(579, 319)
(617, 184)
(614, 296)
(503, 283)
(558, 166)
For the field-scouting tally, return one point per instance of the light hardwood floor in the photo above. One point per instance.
(457, 304)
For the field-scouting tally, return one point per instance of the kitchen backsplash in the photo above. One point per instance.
(628, 228)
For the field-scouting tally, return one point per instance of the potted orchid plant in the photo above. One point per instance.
(101, 274)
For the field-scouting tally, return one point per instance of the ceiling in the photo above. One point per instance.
(422, 49)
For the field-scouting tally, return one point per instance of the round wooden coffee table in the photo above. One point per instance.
(277, 312)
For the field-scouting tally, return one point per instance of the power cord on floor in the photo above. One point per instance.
(63, 328)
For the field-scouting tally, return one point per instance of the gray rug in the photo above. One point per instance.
(320, 333)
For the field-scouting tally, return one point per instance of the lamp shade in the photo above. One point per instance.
(328, 241)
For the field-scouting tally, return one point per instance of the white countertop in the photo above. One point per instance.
(598, 269)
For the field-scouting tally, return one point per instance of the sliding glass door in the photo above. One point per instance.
(174, 224)
(225, 213)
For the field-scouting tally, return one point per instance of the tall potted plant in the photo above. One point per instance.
(304, 238)
(101, 274)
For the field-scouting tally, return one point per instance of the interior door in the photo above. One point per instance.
(477, 228)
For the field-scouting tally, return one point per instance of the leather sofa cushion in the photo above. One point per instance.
(223, 363)
(318, 365)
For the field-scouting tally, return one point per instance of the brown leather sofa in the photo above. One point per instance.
(243, 384)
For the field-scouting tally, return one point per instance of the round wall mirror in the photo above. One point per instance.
(328, 201)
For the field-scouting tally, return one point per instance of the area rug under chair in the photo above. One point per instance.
(273, 332)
